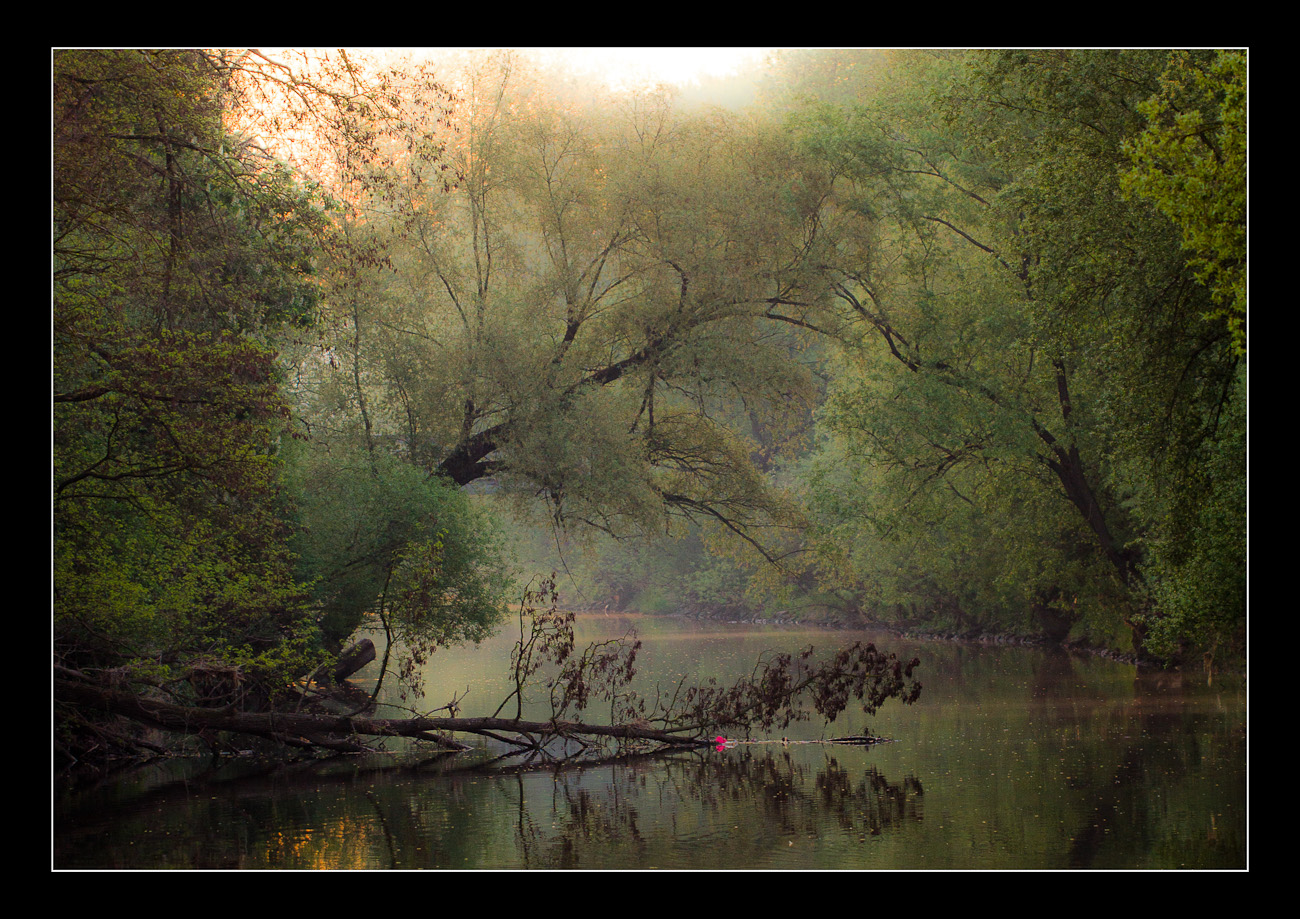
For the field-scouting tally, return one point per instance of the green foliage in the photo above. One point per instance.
(1191, 163)
(680, 574)
(379, 533)
(1026, 430)
(1199, 560)
(1026, 258)
(173, 246)
(161, 217)
(591, 317)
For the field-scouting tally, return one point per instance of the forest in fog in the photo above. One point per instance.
(952, 341)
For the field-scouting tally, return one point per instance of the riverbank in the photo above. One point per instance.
(921, 632)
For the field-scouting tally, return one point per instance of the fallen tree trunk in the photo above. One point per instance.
(342, 732)
(773, 695)
(353, 659)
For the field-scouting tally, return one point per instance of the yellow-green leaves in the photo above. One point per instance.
(1190, 163)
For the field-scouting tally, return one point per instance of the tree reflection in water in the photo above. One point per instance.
(740, 805)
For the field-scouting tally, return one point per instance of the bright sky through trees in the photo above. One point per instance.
(625, 68)
(620, 68)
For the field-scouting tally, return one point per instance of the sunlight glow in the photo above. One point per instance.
(630, 68)
(619, 69)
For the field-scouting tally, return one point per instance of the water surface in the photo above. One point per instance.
(1013, 759)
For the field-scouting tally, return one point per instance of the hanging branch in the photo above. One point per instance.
(782, 689)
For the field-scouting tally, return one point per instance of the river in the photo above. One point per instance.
(1014, 758)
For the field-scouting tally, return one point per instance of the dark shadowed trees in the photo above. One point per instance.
(181, 247)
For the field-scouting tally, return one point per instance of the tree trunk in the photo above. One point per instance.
(353, 659)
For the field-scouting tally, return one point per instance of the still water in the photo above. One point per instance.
(1012, 759)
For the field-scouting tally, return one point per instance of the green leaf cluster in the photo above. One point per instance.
(1190, 161)
(375, 533)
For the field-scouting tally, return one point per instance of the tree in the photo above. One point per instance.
(174, 245)
(578, 319)
(180, 245)
(1025, 325)
(377, 536)
(203, 536)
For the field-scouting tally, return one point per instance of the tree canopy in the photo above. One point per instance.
(1036, 363)
(943, 338)
(580, 318)
(186, 559)
(175, 246)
